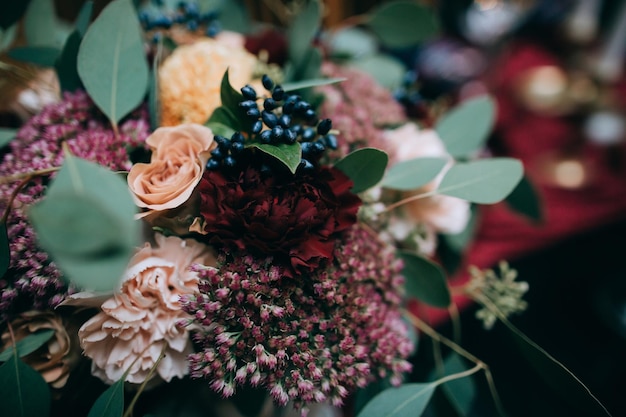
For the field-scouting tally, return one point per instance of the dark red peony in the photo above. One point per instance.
(294, 218)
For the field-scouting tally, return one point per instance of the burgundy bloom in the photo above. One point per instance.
(294, 218)
(272, 41)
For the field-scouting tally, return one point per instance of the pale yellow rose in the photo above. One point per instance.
(140, 320)
(179, 157)
(442, 213)
(190, 79)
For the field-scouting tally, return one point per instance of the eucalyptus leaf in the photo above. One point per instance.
(224, 117)
(300, 85)
(234, 16)
(388, 71)
(485, 181)
(6, 136)
(364, 395)
(42, 27)
(111, 61)
(12, 11)
(84, 18)
(425, 280)
(288, 154)
(5, 250)
(44, 56)
(460, 392)
(412, 174)
(220, 129)
(352, 43)
(230, 100)
(66, 65)
(466, 128)
(365, 167)
(110, 403)
(24, 392)
(154, 104)
(408, 400)
(7, 36)
(401, 24)
(524, 199)
(301, 34)
(27, 345)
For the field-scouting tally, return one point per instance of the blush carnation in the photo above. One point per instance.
(139, 321)
(294, 218)
(304, 340)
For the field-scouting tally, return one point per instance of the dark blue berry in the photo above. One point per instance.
(269, 119)
(306, 165)
(266, 136)
(324, 126)
(237, 137)
(162, 21)
(213, 29)
(236, 148)
(302, 106)
(289, 107)
(222, 142)
(156, 38)
(331, 141)
(269, 104)
(284, 120)
(297, 129)
(229, 161)
(290, 136)
(248, 92)
(192, 25)
(318, 147)
(277, 132)
(248, 104)
(309, 114)
(308, 134)
(217, 154)
(268, 83)
(265, 169)
(212, 164)
(278, 93)
(257, 126)
(253, 113)
(307, 148)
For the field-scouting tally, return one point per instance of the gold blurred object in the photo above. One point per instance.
(569, 171)
(544, 90)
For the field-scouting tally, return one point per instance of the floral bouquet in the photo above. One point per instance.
(241, 215)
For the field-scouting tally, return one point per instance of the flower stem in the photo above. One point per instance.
(129, 410)
(28, 175)
(408, 200)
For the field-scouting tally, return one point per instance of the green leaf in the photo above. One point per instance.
(110, 403)
(409, 400)
(386, 70)
(365, 167)
(6, 136)
(230, 100)
(425, 280)
(364, 395)
(111, 61)
(352, 43)
(5, 250)
(466, 128)
(300, 85)
(290, 155)
(44, 56)
(460, 391)
(234, 16)
(524, 199)
(27, 345)
(86, 222)
(84, 18)
(24, 392)
(402, 24)
(220, 129)
(412, 174)
(224, 117)
(301, 34)
(7, 36)
(154, 104)
(66, 65)
(12, 11)
(485, 181)
(42, 27)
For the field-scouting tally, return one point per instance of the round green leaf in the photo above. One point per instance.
(112, 62)
(27, 345)
(24, 392)
(412, 174)
(402, 24)
(42, 27)
(44, 56)
(388, 71)
(365, 167)
(465, 128)
(6, 136)
(409, 400)
(524, 199)
(288, 154)
(460, 391)
(66, 64)
(301, 33)
(110, 403)
(485, 181)
(425, 280)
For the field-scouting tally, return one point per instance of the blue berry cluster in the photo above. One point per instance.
(187, 13)
(226, 152)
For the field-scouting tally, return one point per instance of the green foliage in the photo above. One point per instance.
(86, 222)
(460, 392)
(24, 392)
(42, 27)
(154, 105)
(485, 181)
(44, 56)
(6, 136)
(289, 154)
(300, 85)
(112, 63)
(111, 402)
(84, 18)
(401, 24)
(409, 400)
(459, 241)
(27, 345)
(230, 100)
(12, 11)
(365, 167)
(364, 395)
(7, 36)
(466, 128)
(386, 70)
(412, 174)
(425, 280)
(525, 200)
(5, 251)
(66, 64)
(301, 33)
(234, 16)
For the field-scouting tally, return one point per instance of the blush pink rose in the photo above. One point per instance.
(179, 157)
(140, 320)
(440, 212)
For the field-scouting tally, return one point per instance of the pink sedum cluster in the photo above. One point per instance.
(312, 338)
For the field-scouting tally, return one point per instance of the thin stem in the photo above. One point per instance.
(453, 310)
(129, 410)
(408, 200)
(12, 197)
(11, 178)
(494, 393)
(459, 375)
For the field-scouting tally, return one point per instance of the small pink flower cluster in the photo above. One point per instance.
(307, 339)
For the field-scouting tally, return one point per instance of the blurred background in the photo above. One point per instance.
(556, 71)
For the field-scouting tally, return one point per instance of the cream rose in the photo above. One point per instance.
(442, 213)
(179, 156)
(140, 321)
